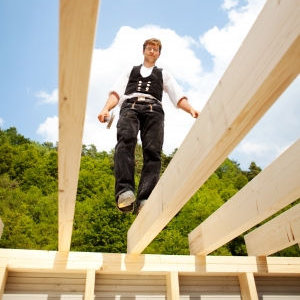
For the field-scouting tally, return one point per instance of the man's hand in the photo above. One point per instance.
(184, 105)
(104, 115)
(111, 102)
(194, 113)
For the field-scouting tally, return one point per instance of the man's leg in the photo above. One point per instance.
(152, 135)
(124, 161)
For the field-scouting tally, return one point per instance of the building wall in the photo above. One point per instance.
(44, 286)
(209, 287)
(278, 287)
(67, 286)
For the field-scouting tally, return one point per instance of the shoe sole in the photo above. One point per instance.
(126, 201)
(127, 209)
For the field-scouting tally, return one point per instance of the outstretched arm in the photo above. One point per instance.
(184, 105)
(111, 102)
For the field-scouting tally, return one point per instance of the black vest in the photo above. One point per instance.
(152, 85)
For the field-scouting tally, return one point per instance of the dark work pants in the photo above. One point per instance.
(149, 119)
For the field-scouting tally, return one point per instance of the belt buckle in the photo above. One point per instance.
(141, 98)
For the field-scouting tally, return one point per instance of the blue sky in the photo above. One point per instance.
(29, 47)
(199, 39)
(28, 61)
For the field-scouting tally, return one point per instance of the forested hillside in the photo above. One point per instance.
(28, 201)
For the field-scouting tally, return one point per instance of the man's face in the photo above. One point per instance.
(151, 53)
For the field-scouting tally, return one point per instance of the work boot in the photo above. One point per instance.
(126, 201)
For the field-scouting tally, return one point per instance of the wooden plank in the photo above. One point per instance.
(130, 296)
(129, 285)
(271, 190)
(248, 287)
(34, 282)
(212, 287)
(42, 296)
(202, 284)
(262, 69)
(64, 280)
(113, 263)
(50, 277)
(3, 278)
(155, 280)
(279, 233)
(50, 284)
(90, 285)
(45, 288)
(1, 227)
(130, 288)
(172, 286)
(268, 287)
(76, 38)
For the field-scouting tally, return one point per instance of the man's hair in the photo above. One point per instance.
(152, 41)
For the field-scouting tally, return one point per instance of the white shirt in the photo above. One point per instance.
(170, 86)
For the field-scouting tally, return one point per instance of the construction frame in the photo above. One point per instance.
(262, 69)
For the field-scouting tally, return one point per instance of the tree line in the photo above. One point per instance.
(29, 201)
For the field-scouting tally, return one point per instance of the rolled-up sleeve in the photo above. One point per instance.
(120, 85)
(172, 88)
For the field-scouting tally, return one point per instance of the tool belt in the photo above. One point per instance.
(143, 100)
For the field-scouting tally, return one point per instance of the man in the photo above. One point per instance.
(140, 94)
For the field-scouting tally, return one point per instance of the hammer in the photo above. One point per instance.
(109, 120)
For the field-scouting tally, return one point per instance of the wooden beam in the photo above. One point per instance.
(279, 233)
(172, 286)
(265, 65)
(90, 285)
(248, 287)
(1, 227)
(113, 263)
(271, 190)
(76, 37)
(3, 278)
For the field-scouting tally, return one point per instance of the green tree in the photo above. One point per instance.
(253, 171)
(28, 201)
(6, 158)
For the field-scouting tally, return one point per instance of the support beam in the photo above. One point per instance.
(271, 190)
(173, 286)
(76, 39)
(114, 263)
(3, 278)
(90, 285)
(265, 65)
(1, 227)
(248, 287)
(279, 233)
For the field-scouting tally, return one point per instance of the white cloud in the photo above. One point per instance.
(223, 43)
(1, 122)
(274, 133)
(49, 129)
(228, 4)
(259, 150)
(46, 97)
(249, 147)
(277, 129)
